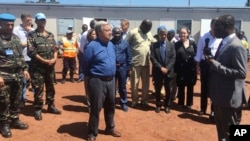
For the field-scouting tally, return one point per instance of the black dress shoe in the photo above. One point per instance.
(201, 113)
(5, 131)
(158, 109)
(145, 105)
(188, 107)
(38, 114)
(180, 106)
(167, 110)
(133, 104)
(18, 124)
(211, 117)
(63, 81)
(72, 80)
(52, 109)
(113, 133)
(91, 139)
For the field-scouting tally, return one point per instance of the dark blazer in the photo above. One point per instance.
(157, 62)
(185, 65)
(227, 74)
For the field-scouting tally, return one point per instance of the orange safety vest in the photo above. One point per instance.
(69, 47)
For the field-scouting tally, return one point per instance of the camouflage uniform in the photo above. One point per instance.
(42, 74)
(12, 65)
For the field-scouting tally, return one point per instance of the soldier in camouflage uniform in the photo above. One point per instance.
(12, 69)
(42, 49)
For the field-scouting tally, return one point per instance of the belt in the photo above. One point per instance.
(103, 78)
(119, 64)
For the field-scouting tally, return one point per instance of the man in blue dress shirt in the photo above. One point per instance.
(123, 64)
(100, 67)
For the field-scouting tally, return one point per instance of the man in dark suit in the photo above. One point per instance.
(163, 59)
(228, 70)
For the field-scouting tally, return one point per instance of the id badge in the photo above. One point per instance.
(9, 52)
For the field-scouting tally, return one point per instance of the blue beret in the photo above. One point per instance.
(7, 17)
(161, 28)
(69, 32)
(70, 26)
(40, 16)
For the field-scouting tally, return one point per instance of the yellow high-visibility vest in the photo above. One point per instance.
(69, 47)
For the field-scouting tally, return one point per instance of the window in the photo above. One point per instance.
(186, 23)
(62, 25)
(237, 25)
(114, 22)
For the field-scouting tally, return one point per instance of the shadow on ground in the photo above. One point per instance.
(77, 129)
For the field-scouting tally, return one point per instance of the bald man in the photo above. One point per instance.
(140, 40)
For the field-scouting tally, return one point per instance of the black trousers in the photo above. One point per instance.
(101, 94)
(159, 81)
(68, 63)
(181, 94)
(204, 76)
(224, 117)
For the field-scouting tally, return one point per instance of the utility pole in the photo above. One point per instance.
(188, 2)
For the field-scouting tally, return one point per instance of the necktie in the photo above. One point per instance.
(218, 50)
(163, 52)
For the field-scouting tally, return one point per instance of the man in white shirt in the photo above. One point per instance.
(203, 65)
(83, 43)
(22, 31)
(80, 53)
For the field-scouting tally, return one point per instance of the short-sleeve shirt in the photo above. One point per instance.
(20, 32)
(140, 46)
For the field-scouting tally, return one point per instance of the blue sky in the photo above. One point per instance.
(206, 3)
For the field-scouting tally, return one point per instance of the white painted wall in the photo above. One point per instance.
(135, 15)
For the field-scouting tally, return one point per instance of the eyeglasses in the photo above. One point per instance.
(106, 30)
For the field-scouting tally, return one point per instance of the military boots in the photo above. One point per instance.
(18, 124)
(5, 131)
(38, 114)
(52, 109)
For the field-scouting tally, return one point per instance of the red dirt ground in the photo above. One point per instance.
(135, 125)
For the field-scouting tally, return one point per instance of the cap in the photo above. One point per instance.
(69, 31)
(7, 17)
(161, 28)
(70, 26)
(171, 31)
(40, 16)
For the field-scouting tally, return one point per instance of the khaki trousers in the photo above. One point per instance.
(137, 73)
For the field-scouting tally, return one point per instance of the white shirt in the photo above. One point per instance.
(174, 40)
(79, 39)
(213, 44)
(124, 35)
(225, 40)
(83, 41)
(22, 34)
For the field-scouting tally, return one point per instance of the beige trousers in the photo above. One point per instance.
(137, 73)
